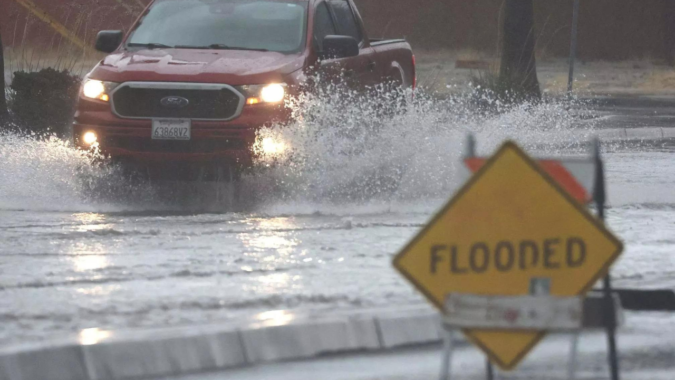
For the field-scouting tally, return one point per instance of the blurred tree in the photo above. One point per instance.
(3, 100)
(518, 67)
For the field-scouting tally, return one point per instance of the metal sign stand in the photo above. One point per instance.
(572, 363)
(599, 196)
(448, 344)
(609, 309)
(489, 369)
(448, 348)
(447, 353)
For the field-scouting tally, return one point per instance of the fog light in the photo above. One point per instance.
(89, 138)
(271, 146)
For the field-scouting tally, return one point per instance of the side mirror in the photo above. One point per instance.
(108, 41)
(340, 47)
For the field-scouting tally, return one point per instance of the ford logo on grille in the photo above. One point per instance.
(174, 102)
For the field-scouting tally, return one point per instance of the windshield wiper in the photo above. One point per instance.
(218, 47)
(149, 45)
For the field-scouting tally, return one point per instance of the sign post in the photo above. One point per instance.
(599, 196)
(517, 243)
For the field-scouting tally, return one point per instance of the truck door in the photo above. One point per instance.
(338, 19)
(364, 66)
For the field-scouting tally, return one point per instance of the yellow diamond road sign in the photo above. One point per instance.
(506, 230)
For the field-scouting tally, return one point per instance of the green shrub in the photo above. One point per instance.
(44, 101)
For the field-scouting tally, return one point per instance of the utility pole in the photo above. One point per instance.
(573, 45)
(3, 100)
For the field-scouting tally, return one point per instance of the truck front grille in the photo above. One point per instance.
(144, 100)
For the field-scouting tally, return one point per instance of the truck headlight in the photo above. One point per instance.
(271, 93)
(96, 89)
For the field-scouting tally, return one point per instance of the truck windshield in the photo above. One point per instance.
(224, 24)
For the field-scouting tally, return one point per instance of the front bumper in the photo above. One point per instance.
(228, 142)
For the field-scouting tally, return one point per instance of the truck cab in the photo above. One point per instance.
(193, 80)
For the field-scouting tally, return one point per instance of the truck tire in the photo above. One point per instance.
(393, 97)
(228, 189)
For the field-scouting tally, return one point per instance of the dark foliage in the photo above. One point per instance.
(44, 101)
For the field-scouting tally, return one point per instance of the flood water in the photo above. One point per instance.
(82, 248)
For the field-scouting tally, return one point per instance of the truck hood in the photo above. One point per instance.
(235, 67)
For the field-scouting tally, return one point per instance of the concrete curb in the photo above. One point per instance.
(132, 354)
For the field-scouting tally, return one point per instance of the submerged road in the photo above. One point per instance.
(66, 266)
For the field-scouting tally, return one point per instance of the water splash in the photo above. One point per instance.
(342, 148)
(43, 173)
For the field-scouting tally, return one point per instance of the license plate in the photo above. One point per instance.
(171, 129)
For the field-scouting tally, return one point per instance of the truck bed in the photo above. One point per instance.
(380, 41)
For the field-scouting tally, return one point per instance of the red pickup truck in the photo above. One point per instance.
(192, 81)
